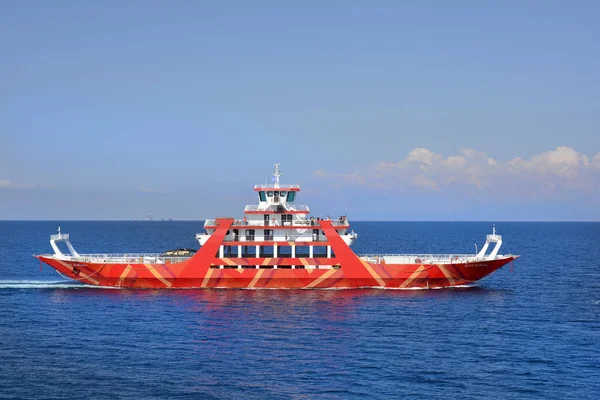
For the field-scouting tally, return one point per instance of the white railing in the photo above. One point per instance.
(293, 224)
(298, 207)
(290, 207)
(276, 238)
(138, 258)
(426, 258)
(155, 258)
(272, 186)
(60, 236)
(339, 223)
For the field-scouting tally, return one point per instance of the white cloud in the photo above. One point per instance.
(552, 170)
(455, 162)
(421, 180)
(595, 164)
(564, 161)
(421, 155)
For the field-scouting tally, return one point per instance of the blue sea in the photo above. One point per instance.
(533, 332)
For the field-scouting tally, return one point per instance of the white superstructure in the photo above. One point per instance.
(277, 218)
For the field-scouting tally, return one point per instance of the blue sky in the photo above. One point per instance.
(385, 110)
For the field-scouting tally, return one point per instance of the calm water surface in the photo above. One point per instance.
(530, 333)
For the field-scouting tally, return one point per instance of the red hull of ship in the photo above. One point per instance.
(203, 270)
(192, 275)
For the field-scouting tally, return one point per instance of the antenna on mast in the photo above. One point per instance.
(276, 175)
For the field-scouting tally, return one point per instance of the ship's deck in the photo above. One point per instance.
(156, 258)
(423, 258)
(304, 223)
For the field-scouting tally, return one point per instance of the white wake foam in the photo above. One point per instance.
(26, 284)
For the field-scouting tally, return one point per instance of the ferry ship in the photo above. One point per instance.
(275, 245)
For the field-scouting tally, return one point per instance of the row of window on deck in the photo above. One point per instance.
(319, 251)
(250, 235)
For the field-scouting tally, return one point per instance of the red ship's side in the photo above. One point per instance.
(343, 270)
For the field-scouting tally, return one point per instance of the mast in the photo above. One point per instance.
(276, 174)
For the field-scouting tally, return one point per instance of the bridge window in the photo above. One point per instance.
(269, 194)
(282, 194)
(250, 235)
(261, 196)
(291, 196)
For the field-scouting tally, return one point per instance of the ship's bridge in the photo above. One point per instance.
(276, 198)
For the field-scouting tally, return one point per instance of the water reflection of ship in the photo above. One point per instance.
(279, 302)
(214, 300)
(332, 304)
